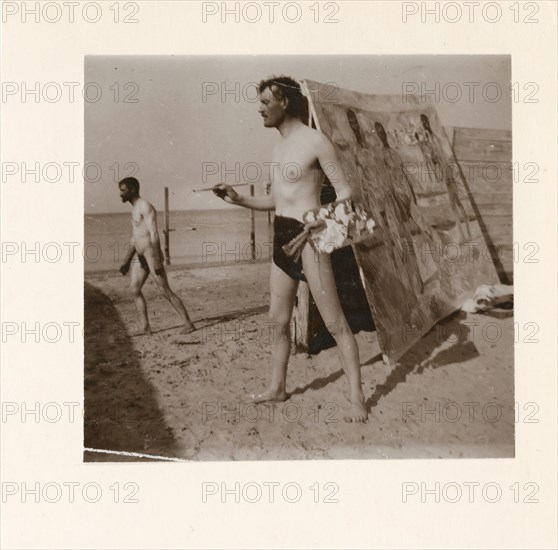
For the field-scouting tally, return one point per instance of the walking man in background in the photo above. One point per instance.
(150, 256)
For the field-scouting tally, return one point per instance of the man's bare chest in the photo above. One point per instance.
(292, 164)
(137, 219)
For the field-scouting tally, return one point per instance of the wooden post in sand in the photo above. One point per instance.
(252, 228)
(166, 231)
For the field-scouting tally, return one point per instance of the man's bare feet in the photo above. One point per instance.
(358, 410)
(269, 396)
(188, 329)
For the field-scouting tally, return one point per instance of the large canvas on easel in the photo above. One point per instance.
(428, 254)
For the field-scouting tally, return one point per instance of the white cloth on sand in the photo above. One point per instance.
(488, 296)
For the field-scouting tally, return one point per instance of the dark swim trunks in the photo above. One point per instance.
(143, 262)
(285, 230)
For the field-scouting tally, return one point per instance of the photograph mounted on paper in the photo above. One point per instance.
(298, 257)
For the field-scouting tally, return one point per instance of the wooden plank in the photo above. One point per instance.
(487, 187)
(495, 221)
(484, 151)
(479, 144)
(500, 223)
(502, 248)
(483, 133)
(500, 229)
(507, 255)
(494, 209)
(500, 235)
(502, 239)
(501, 244)
(488, 174)
(507, 259)
(487, 157)
(504, 197)
(501, 232)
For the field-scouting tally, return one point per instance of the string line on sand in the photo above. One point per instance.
(137, 455)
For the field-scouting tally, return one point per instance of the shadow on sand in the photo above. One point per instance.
(120, 409)
(426, 353)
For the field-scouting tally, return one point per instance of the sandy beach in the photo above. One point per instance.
(184, 396)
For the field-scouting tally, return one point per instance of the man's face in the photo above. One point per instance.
(271, 109)
(125, 193)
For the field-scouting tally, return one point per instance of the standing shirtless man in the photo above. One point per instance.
(150, 257)
(300, 160)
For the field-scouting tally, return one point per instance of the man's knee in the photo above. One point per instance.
(280, 323)
(338, 328)
(135, 289)
(279, 317)
(166, 291)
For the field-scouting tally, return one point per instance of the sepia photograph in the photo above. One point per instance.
(278, 274)
(298, 257)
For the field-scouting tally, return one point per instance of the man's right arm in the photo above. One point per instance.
(256, 203)
(228, 194)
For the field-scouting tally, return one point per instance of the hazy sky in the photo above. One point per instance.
(184, 127)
